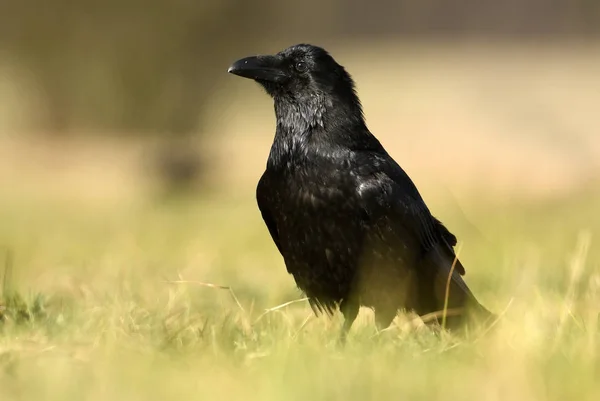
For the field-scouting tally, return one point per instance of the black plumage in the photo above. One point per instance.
(350, 224)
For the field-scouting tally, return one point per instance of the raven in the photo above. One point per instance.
(350, 224)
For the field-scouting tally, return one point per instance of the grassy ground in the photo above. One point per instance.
(89, 312)
(102, 293)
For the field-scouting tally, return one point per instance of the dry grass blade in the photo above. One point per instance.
(283, 305)
(447, 295)
(577, 267)
(210, 285)
(430, 317)
(498, 317)
(8, 268)
(304, 323)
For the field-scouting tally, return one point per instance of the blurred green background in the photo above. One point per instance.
(128, 165)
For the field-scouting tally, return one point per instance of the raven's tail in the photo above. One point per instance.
(472, 314)
(452, 294)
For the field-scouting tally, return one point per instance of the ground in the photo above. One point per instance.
(105, 291)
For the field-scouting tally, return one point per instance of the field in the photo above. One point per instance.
(105, 291)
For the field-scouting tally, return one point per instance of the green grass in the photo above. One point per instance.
(91, 311)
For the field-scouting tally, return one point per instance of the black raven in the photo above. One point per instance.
(350, 224)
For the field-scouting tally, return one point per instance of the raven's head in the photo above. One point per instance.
(304, 77)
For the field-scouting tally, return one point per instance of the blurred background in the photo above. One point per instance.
(502, 94)
(129, 160)
(115, 107)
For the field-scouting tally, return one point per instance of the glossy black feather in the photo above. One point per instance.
(349, 222)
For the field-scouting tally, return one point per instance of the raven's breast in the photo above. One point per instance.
(321, 235)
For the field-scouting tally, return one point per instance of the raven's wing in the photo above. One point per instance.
(447, 235)
(263, 198)
(389, 193)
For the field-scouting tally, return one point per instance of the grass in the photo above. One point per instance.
(104, 291)
(110, 303)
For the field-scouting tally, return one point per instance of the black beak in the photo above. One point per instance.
(260, 68)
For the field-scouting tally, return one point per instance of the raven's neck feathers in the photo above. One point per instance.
(319, 119)
(302, 116)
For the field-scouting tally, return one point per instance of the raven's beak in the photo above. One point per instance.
(261, 68)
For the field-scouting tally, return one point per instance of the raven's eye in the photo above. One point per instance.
(301, 66)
